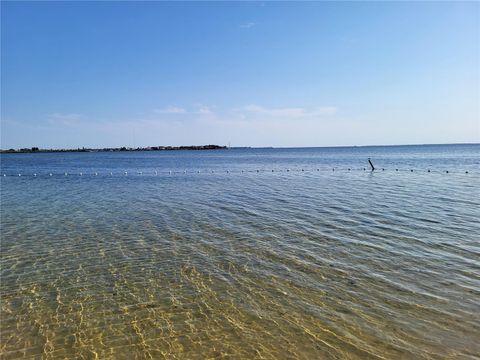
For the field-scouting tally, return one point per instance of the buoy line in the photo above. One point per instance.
(200, 172)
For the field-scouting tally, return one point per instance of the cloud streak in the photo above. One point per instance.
(290, 112)
(203, 110)
(250, 111)
(65, 118)
(171, 110)
(198, 109)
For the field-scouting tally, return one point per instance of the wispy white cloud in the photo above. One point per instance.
(64, 118)
(247, 25)
(290, 112)
(196, 109)
(171, 110)
(204, 110)
(279, 112)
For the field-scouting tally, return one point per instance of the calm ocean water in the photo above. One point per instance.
(194, 262)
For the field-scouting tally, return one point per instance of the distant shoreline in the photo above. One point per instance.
(120, 149)
(209, 147)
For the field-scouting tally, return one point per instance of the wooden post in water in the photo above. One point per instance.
(373, 167)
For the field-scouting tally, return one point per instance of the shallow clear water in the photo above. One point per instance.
(209, 264)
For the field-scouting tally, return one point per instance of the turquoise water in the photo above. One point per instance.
(216, 255)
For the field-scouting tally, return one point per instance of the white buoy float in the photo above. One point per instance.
(50, 174)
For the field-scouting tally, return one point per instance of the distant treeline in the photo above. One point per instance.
(150, 148)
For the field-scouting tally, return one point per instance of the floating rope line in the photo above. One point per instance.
(155, 172)
(192, 172)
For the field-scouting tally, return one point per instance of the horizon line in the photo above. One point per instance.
(220, 147)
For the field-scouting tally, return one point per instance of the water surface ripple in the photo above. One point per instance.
(275, 265)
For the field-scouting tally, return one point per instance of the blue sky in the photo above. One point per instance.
(100, 74)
